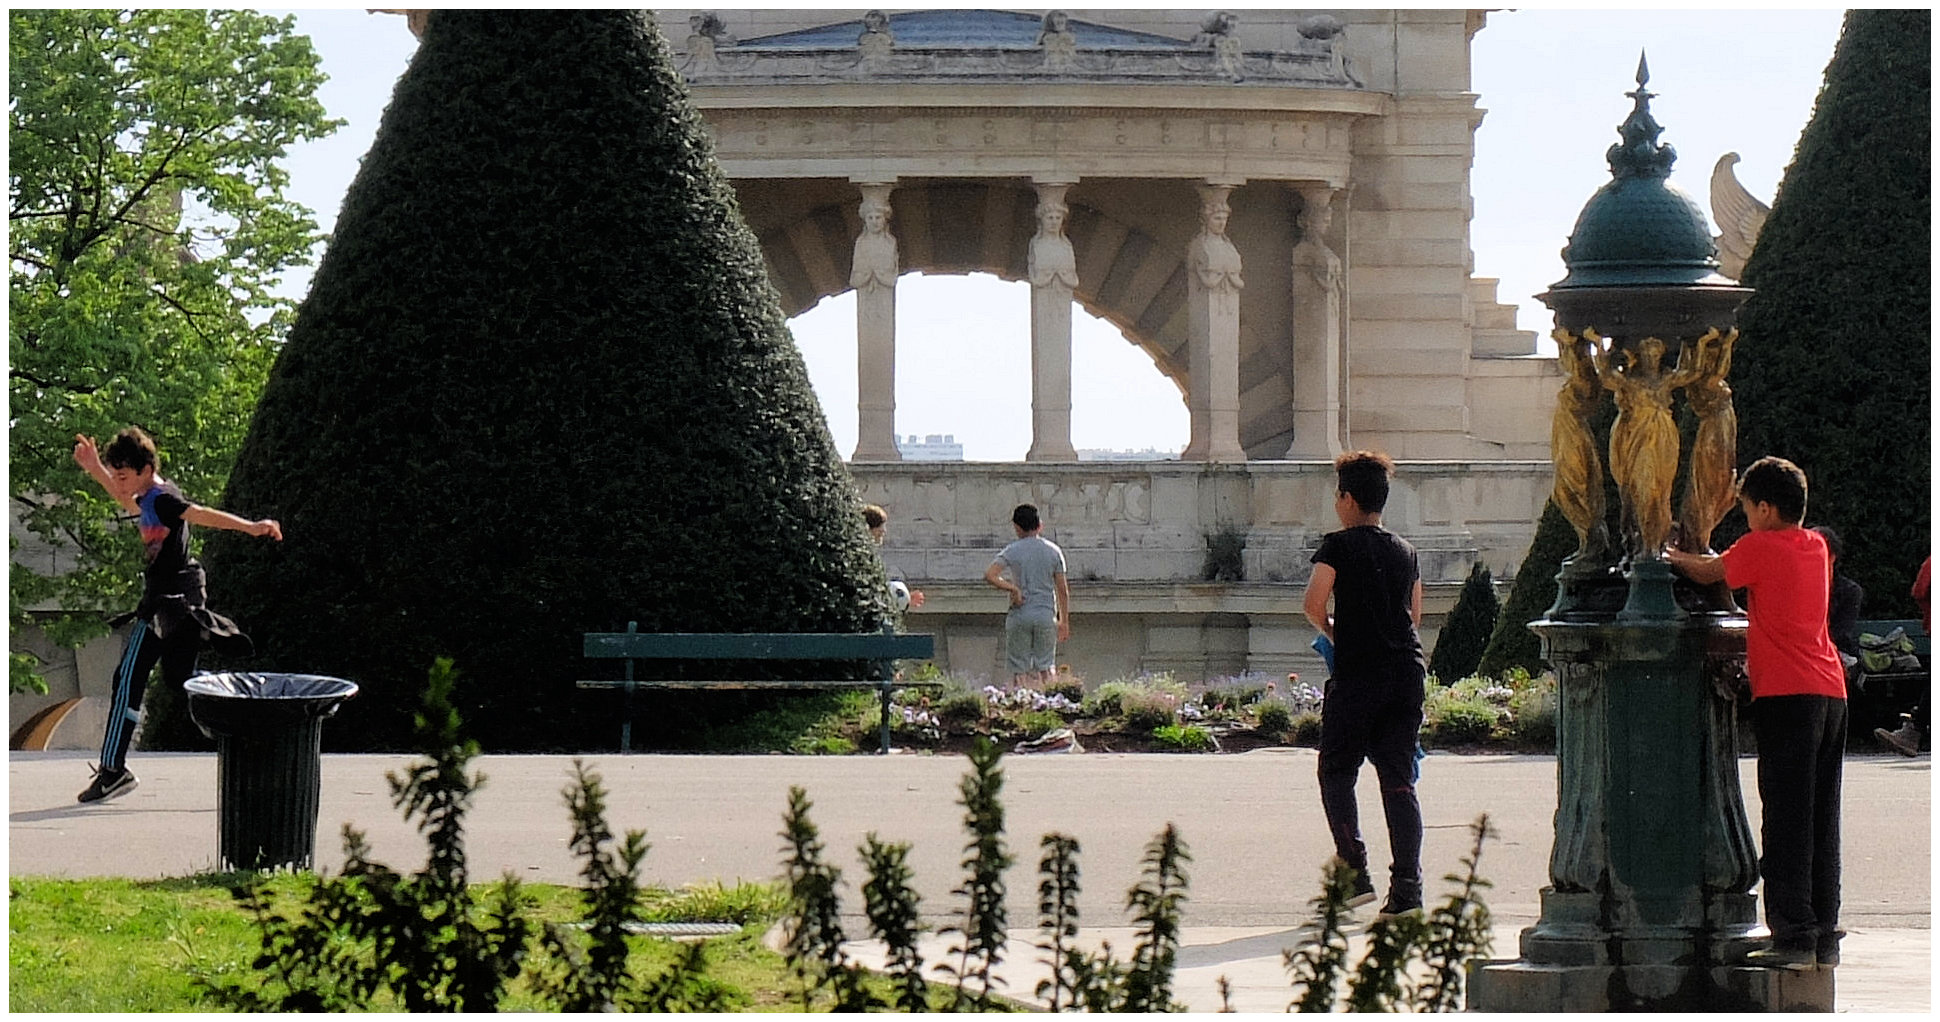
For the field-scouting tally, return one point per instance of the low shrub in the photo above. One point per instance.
(1034, 723)
(1144, 711)
(1305, 729)
(958, 708)
(1273, 717)
(1533, 715)
(1461, 722)
(1069, 686)
(1184, 738)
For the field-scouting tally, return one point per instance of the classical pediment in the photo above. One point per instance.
(1004, 30)
(1006, 46)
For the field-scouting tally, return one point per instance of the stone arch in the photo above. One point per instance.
(1127, 277)
(1130, 237)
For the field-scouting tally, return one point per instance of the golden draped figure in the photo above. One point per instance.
(1572, 444)
(1710, 488)
(1643, 441)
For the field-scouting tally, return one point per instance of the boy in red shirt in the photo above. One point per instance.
(1798, 708)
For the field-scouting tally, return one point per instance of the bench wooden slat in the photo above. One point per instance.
(757, 646)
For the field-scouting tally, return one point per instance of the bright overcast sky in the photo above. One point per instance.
(1552, 82)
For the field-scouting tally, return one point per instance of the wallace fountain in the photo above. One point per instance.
(1650, 904)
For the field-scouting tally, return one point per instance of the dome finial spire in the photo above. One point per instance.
(1640, 154)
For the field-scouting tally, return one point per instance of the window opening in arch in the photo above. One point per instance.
(963, 370)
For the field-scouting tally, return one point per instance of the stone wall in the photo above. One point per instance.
(1136, 538)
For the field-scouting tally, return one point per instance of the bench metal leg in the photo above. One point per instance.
(884, 690)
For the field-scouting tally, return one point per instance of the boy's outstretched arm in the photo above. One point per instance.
(214, 519)
(88, 456)
(1705, 568)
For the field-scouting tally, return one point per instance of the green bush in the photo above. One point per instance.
(1184, 738)
(1533, 715)
(1461, 722)
(539, 368)
(1834, 362)
(1512, 644)
(1069, 686)
(1273, 717)
(959, 708)
(1148, 709)
(1466, 632)
(1305, 729)
(1033, 723)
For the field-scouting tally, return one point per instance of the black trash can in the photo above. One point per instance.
(269, 742)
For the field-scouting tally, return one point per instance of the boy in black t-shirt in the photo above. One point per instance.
(172, 621)
(1372, 709)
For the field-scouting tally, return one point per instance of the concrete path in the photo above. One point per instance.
(1252, 822)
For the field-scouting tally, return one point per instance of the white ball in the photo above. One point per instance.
(899, 595)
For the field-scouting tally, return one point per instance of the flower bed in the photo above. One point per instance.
(1157, 713)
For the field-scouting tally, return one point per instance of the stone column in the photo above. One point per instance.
(1212, 331)
(1053, 271)
(876, 267)
(1319, 292)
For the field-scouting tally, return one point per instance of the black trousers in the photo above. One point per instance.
(1374, 717)
(145, 649)
(1801, 749)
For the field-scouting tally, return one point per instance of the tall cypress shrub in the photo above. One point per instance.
(1458, 650)
(540, 386)
(1834, 360)
(1512, 644)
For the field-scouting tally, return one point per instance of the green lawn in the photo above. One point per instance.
(125, 946)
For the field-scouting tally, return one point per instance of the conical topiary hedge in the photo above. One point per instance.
(1833, 369)
(1458, 650)
(540, 386)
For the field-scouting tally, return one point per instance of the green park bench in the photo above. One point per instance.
(881, 650)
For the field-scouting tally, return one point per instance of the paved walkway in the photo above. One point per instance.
(1252, 822)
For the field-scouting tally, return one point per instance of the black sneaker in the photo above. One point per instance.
(108, 784)
(1399, 904)
(1363, 891)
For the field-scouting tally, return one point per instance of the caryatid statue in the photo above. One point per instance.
(1710, 488)
(1578, 492)
(873, 275)
(1318, 291)
(1213, 284)
(1643, 440)
(1052, 267)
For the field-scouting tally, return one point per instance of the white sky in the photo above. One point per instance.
(1551, 80)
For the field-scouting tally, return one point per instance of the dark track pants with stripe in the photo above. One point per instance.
(145, 649)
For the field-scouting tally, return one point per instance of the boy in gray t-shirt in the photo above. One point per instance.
(1040, 600)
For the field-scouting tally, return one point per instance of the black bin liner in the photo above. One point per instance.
(268, 730)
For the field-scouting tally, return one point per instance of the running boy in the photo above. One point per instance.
(1372, 709)
(172, 622)
(1798, 709)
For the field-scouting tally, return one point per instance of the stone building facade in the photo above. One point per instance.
(1272, 205)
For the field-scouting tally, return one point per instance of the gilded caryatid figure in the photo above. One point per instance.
(1710, 489)
(1643, 441)
(1572, 442)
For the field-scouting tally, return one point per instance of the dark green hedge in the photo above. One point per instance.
(541, 385)
(1458, 650)
(1833, 368)
(1532, 593)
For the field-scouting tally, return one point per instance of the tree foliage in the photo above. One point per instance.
(147, 225)
(540, 386)
(1466, 633)
(1834, 364)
